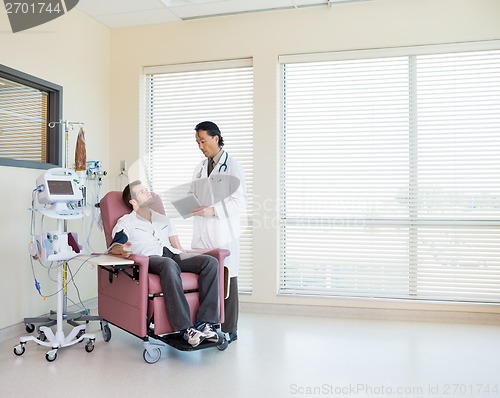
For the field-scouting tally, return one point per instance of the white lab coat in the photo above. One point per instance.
(226, 191)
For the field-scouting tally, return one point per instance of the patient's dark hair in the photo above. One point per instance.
(212, 130)
(127, 194)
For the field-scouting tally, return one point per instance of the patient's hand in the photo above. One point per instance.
(123, 250)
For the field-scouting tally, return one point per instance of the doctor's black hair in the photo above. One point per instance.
(212, 129)
(127, 194)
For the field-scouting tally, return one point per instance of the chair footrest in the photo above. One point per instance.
(177, 341)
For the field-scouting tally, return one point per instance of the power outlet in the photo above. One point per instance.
(123, 166)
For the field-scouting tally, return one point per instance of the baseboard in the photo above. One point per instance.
(12, 331)
(373, 313)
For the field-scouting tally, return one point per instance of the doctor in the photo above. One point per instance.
(219, 185)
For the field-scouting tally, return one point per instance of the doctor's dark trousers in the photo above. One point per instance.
(169, 267)
(231, 308)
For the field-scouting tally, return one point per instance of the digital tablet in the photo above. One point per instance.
(185, 206)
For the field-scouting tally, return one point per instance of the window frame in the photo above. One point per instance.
(54, 114)
(410, 52)
(147, 145)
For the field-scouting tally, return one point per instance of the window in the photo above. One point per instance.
(27, 106)
(390, 170)
(177, 99)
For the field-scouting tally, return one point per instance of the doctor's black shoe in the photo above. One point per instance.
(233, 336)
(209, 331)
(193, 336)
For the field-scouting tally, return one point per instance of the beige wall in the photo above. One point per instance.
(265, 36)
(74, 52)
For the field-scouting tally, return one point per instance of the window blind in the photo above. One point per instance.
(177, 99)
(23, 122)
(389, 177)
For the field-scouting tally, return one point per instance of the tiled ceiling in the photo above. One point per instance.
(125, 13)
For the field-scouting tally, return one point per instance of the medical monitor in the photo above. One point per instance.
(58, 185)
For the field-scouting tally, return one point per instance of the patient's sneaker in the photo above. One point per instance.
(194, 336)
(209, 331)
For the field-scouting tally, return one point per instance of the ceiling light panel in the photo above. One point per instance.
(147, 17)
(107, 7)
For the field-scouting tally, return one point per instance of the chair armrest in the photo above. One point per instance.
(141, 261)
(220, 255)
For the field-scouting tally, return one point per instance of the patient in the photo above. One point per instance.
(151, 234)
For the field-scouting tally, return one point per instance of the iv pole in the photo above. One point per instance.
(83, 315)
(71, 318)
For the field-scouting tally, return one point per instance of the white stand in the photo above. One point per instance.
(47, 337)
(58, 340)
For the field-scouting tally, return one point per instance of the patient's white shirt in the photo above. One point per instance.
(147, 238)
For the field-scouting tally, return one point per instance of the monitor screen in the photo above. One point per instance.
(60, 187)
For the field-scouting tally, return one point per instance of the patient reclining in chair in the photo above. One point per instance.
(149, 233)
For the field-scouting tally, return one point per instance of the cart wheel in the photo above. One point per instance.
(106, 333)
(41, 336)
(223, 344)
(19, 349)
(30, 328)
(51, 356)
(89, 347)
(152, 358)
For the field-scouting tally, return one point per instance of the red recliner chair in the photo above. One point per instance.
(131, 298)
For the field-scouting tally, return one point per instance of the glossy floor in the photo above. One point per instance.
(275, 356)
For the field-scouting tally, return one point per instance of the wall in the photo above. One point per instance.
(74, 52)
(265, 36)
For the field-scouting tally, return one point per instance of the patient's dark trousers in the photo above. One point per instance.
(169, 268)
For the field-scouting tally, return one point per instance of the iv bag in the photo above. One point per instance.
(80, 152)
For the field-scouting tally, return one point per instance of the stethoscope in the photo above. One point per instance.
(223, 165)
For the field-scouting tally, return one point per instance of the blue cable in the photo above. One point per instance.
(37, 286)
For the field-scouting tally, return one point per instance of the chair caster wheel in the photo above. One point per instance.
(152, 355)
(222, 345)
(106, 333)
